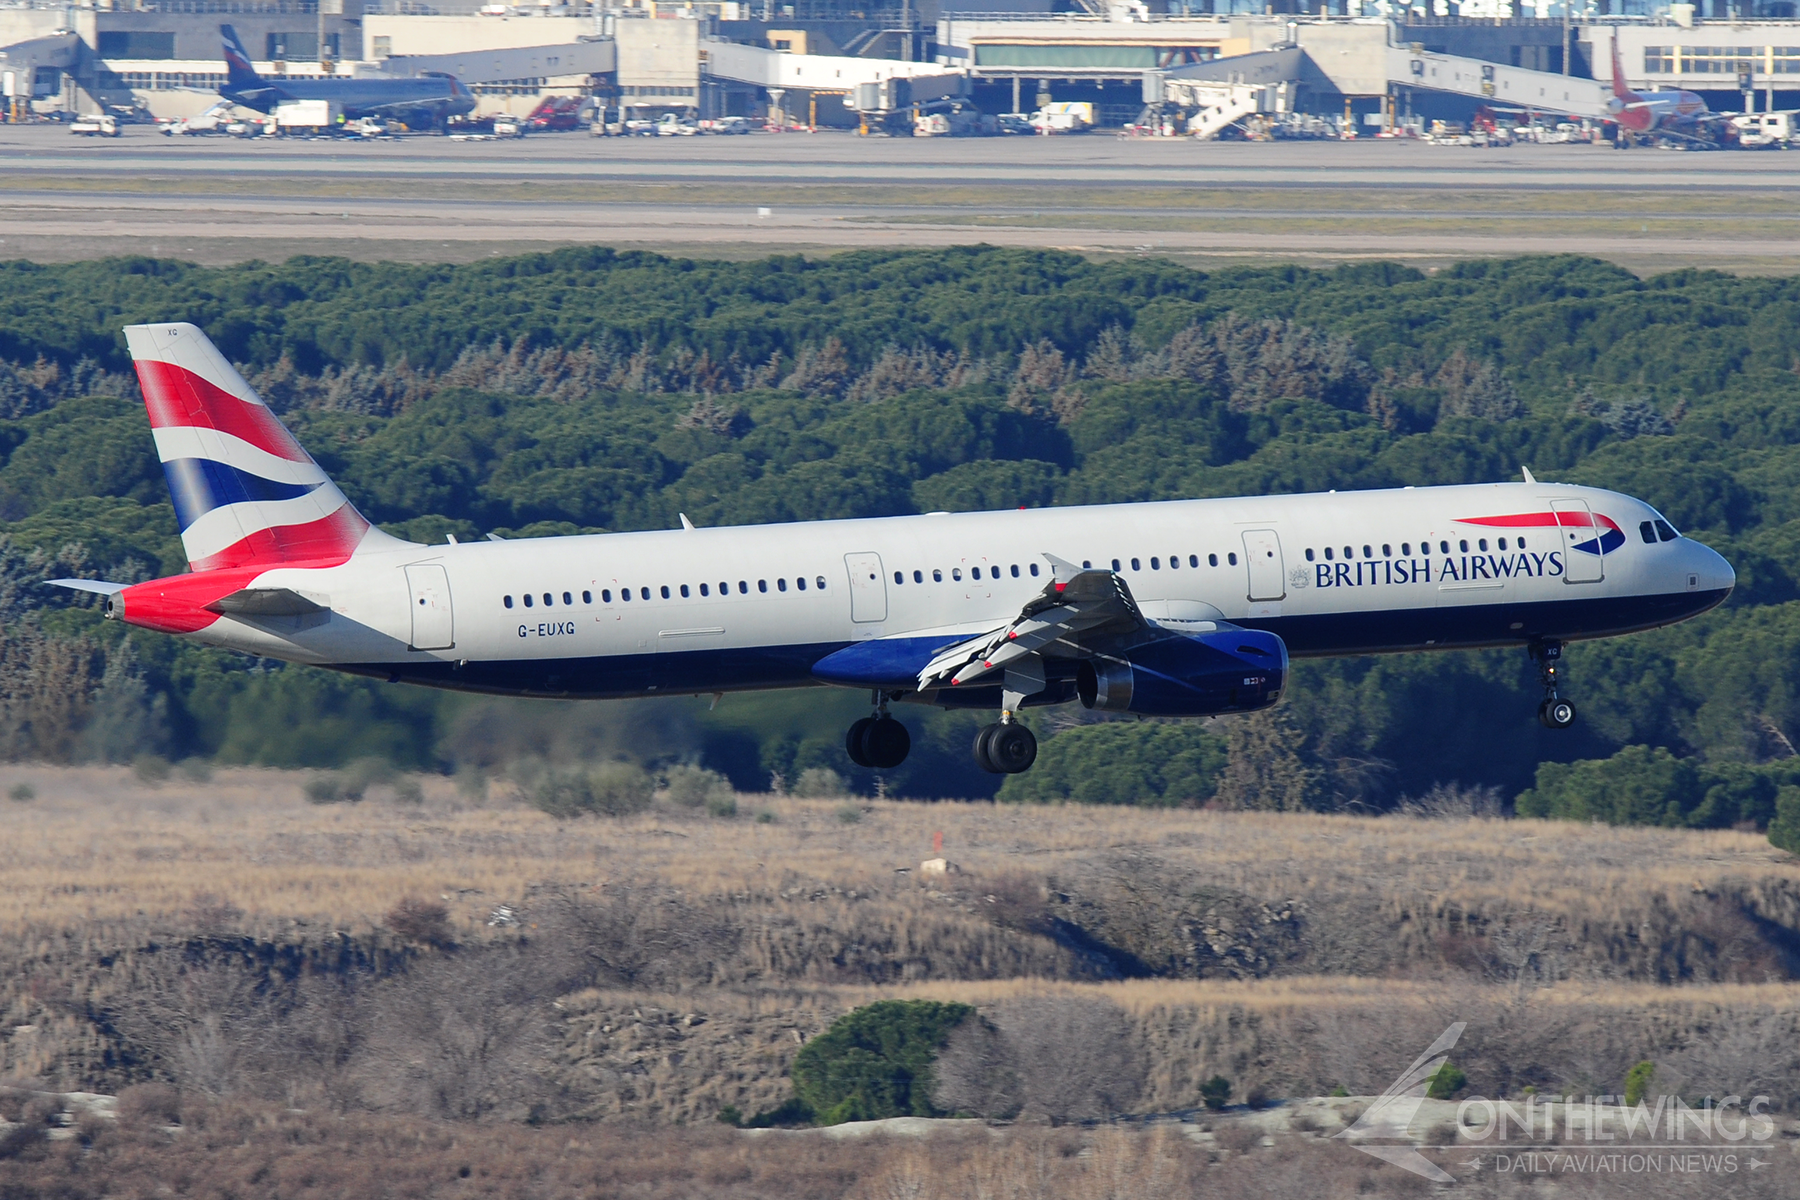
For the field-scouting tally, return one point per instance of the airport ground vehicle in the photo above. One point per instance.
(101, 125)
(1182, 608)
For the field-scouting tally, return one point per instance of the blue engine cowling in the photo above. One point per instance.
(1188, 675)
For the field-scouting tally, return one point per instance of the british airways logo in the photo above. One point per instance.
(1605, 536)
(1586, 532)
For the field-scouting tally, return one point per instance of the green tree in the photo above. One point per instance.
(875, 1062)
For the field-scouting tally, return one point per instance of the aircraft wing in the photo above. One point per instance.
(1079, 605)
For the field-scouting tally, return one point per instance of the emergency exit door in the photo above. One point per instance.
(1262, 557)
(433, 625)
(1583, 545)
(868, 590)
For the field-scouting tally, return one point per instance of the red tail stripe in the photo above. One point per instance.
(176, 398)
(326, 542)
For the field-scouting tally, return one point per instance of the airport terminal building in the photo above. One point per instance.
(718, 57)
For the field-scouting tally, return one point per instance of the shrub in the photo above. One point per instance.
(1215, 1093)
(612, 789)
(849, 814)
(150, 1104)
(420, 920)
(1637, 1083)
(692, 787)
(151, 769)
(876, 1062)
(1446, 1081)
(1784, 830)
(195, 770)
(22, 792)
(326, 789)
(819, 783)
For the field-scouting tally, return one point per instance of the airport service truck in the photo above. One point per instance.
(306, 116)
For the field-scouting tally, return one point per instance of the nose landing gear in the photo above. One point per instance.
(1554, 712)
(879, 742)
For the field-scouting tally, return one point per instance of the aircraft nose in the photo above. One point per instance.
(1707, 570)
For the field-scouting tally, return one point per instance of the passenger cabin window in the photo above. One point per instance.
(1328, 554)
(1232, 559)
(1134, 565)
(1015, 570)
(937, 576)
(684, 591)
(1406, 548)
(587, 597)
(1482, 545)
(1155, 564)
(1212, 560)
(918, 577)
(819, 583)
(1463, 546)
(956, 574)
(527, 599)
(703, 590)
(644, 593)
(1387, 551)
(1444, 547)
(1194, 560)
(1309, 554)
(508, 601)
(1174, 562)
(781, 585)
(1368, 553)
(762, 585)
(899, 577)
(665, 591)
(1115, 564)
(1034, 569)
(625, 595)
(549, 600)
(606, 595)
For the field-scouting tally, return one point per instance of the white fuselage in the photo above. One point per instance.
(724, 608)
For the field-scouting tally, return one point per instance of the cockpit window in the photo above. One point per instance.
(1647, 531)
(1666, 531)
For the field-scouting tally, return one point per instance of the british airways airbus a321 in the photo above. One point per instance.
(1184, 608)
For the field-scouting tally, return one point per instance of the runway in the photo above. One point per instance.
(419, 198)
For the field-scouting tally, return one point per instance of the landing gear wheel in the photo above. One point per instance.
(885, 743)
(1556, 714)
(1005, 749)
(856, 739)
(982, 760)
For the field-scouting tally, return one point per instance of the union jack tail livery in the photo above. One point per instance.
(246, 494)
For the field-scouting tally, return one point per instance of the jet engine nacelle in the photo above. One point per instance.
(1225, 670)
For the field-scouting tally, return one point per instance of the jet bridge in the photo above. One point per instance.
(1328, 65)
(598, 57)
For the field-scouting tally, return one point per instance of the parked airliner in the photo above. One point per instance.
(1671, 111)
(1180, 608)
(427, 101)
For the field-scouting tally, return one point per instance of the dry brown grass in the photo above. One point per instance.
(96, 846)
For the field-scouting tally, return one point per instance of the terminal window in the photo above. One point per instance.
(118, 44)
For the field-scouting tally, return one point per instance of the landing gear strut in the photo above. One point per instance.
(879, 742)
(1554, 712)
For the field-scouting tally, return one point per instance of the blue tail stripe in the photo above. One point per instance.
(199, 485)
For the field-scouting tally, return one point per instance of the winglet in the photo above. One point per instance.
(1529, 477)
(1061, 570)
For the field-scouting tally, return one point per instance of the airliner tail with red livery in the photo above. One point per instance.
(1183, 608)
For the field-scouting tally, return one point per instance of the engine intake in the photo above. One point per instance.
(1188, 675)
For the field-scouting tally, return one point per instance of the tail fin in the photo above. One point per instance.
(1618, 79)
(245, 493)
(238, 71)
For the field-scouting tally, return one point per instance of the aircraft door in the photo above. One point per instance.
(1262, 557)
(868, 590)
(1583, 551)
(433, 624)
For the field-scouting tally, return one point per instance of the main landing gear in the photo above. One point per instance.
(1554, 712)
(1005, 747)
(879, 742)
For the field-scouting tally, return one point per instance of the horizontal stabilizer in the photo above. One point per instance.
(266, 602)
(99, 586)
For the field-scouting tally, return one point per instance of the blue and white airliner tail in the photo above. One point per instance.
(1178, 608)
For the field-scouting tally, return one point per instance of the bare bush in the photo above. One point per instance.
(420, 920)
(150, 1104)
(630, 935)
(1752, 1055)
(977, 1072)
(1455, 801)
(1077, 1058)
